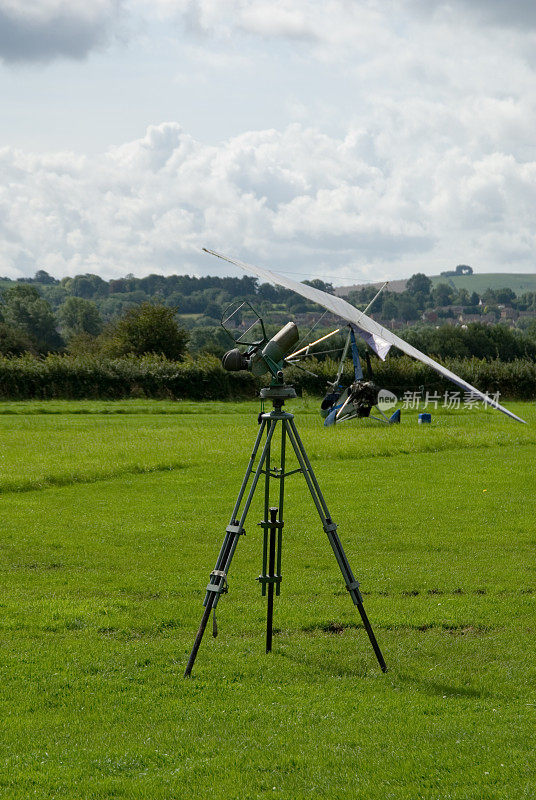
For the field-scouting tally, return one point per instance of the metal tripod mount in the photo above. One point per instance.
(272, 523)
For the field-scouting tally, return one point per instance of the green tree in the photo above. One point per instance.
(531, 330)
(13, 341)
(213, 310)
(316, 283)
(407, 308)
(88, 286)
(83, 344)
(419, 283)
(268, 292)
(24, 309)
(41, 276)
(148, 328)
(442, 294)
(389, 309)
(213, 340)
(474, 299)
(463, 297)
(505, 296)
(77, 315)
(476, 339)
(53, 294)
(363, 296)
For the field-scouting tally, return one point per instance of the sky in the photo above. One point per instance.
(348, 140)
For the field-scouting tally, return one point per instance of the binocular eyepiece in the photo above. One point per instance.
(234, 360)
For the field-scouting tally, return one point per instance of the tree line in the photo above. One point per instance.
(87, 314)
(205, 297)
(29, 325)
(188, 294)
(421, 295)
(43, 315)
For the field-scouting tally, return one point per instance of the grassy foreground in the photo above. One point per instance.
(112, 515)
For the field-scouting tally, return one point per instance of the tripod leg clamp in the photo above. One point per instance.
(235, 529)
(264, 579)
(218, 589)
(222, 586)
(330, 527)
(353, 588)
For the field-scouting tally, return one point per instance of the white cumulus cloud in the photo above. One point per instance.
(294, 198)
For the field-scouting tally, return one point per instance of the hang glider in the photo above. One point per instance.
(357, 400)
(360, 398)
(380, 339)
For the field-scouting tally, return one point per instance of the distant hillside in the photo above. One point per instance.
(394, 286)
(479, 282)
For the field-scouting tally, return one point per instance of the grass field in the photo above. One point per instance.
(112, 516)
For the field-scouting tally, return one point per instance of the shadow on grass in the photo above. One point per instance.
(440, 689)
(454, 629)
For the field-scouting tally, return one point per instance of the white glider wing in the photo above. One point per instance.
(351, 314)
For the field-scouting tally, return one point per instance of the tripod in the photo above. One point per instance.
(272, 523)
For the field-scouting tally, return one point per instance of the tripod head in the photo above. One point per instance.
(262, 355)
(277, 393)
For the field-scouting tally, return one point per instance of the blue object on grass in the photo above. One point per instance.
(330, 419)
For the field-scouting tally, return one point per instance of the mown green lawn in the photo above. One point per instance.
(112, 516)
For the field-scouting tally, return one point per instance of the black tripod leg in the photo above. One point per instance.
(218, 577)
(353, 587)
(372, 637)
(331, 530)
(271, 574)
(272, 525)
(200, 632)
(216, 587)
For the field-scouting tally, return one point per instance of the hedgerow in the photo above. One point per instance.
(95, 377)
(515, 379)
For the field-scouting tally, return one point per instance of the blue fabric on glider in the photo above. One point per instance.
(358, 371)
(330, 419)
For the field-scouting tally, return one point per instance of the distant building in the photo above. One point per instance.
(471, 318)
(429, 316)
